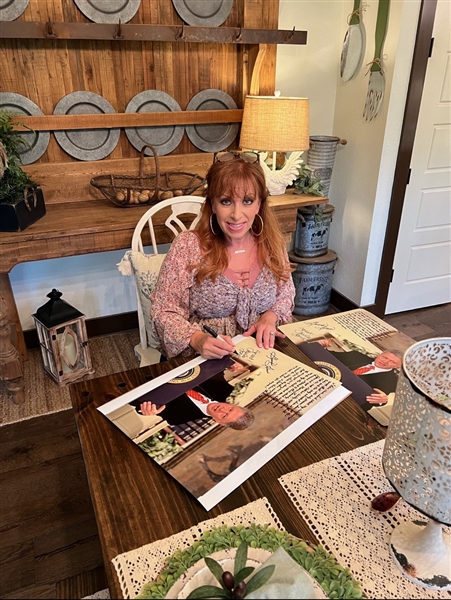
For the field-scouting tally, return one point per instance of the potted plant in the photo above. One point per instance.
(307, 183)
(21, 199)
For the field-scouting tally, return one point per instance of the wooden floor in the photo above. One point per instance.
(49, 546)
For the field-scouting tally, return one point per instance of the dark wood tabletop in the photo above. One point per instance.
(137, 502)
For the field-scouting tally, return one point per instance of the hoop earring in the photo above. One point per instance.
(211, 225)
(262, 224)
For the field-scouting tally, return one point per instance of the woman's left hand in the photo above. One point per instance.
(265, 330)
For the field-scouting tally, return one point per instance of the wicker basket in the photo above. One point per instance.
(126, 190)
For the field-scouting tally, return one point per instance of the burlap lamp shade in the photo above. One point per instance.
(275, 124)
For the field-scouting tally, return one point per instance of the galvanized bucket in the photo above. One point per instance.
(313, 282)
(321, 157)
(311, 237)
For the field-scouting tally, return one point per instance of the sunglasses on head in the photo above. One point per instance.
(249, 157)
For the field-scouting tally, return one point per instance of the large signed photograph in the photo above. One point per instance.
(358, 349)
(211, 424)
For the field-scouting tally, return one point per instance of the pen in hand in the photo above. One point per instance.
(215, 334)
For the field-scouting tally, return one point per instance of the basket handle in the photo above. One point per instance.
(26, 191)
(157, 167)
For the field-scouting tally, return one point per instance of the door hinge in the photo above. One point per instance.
(392, 274)
(408, 176)
(431, 47)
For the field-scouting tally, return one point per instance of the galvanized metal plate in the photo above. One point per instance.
(11, 9)
(108, 11)
(212, 137)
(86, 144)
(164, 139)
(207, 13)
(36, 142)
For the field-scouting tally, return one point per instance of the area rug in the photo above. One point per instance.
(109, 354)
(100, 595)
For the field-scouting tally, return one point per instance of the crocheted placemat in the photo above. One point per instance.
(334, 498)
(143, 564)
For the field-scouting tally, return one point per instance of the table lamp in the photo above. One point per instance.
(417, 462)
(276, 124)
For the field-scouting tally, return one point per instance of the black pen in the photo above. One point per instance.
(215, 334)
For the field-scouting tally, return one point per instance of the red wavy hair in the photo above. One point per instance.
(224, 178)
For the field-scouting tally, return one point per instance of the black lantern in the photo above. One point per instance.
(64, 343)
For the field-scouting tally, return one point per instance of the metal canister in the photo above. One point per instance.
(313, 282)
(321, 157)
(311, 237)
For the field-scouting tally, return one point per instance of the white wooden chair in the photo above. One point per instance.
(145, 267)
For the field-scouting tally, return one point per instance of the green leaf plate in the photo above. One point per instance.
(335, 580)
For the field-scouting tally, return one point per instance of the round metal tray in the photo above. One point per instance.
(164, 139)
(212, 137)
(86, 144)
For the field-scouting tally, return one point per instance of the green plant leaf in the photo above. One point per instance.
(242, 574)
(259, 579)
(216, 569)
(209, 591)
(240, 558)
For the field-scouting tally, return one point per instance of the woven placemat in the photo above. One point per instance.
(334, 498)
(144, 564)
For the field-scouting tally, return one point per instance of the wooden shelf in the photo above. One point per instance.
(148, 119)
(149, 33)
(70, 229)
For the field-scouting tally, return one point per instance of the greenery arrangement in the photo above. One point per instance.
(306, 183)
(336, 581)
(233, 585)
(161, 446)
(14, 180)
(238, 389)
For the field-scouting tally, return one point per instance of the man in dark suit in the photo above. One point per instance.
(379, 372)
(366, 393)
(183, 409)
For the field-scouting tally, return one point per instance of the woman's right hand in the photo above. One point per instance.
(211, 347)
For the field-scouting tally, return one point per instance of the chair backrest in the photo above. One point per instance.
(179, 206)
(145, 267)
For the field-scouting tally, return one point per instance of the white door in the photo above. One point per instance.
(422, 264)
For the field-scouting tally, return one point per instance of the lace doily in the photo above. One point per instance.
(334, 498)
(143, 564)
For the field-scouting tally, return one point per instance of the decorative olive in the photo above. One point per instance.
(239, 591)
(228, 580)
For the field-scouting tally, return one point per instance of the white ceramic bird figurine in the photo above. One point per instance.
(277, 181)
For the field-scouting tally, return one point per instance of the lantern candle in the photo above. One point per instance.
(68, 352)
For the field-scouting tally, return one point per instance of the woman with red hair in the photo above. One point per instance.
(230, 273)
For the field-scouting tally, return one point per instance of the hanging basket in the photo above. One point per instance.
(126, 190)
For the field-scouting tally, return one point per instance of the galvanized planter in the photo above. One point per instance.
(312, 233)
(321, 157)
(313, 282)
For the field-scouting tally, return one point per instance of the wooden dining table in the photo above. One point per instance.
(137, 502)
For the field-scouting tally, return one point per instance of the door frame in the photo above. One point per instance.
(409, 125)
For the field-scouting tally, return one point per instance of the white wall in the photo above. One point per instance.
(362, 176)
(363, 171)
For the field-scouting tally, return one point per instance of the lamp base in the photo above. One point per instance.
(422, 551)
(277, 180)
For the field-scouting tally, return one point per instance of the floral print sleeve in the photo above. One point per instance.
(284, 304)
(170, 309)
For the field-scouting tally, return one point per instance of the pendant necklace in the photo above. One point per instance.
(240, 251)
